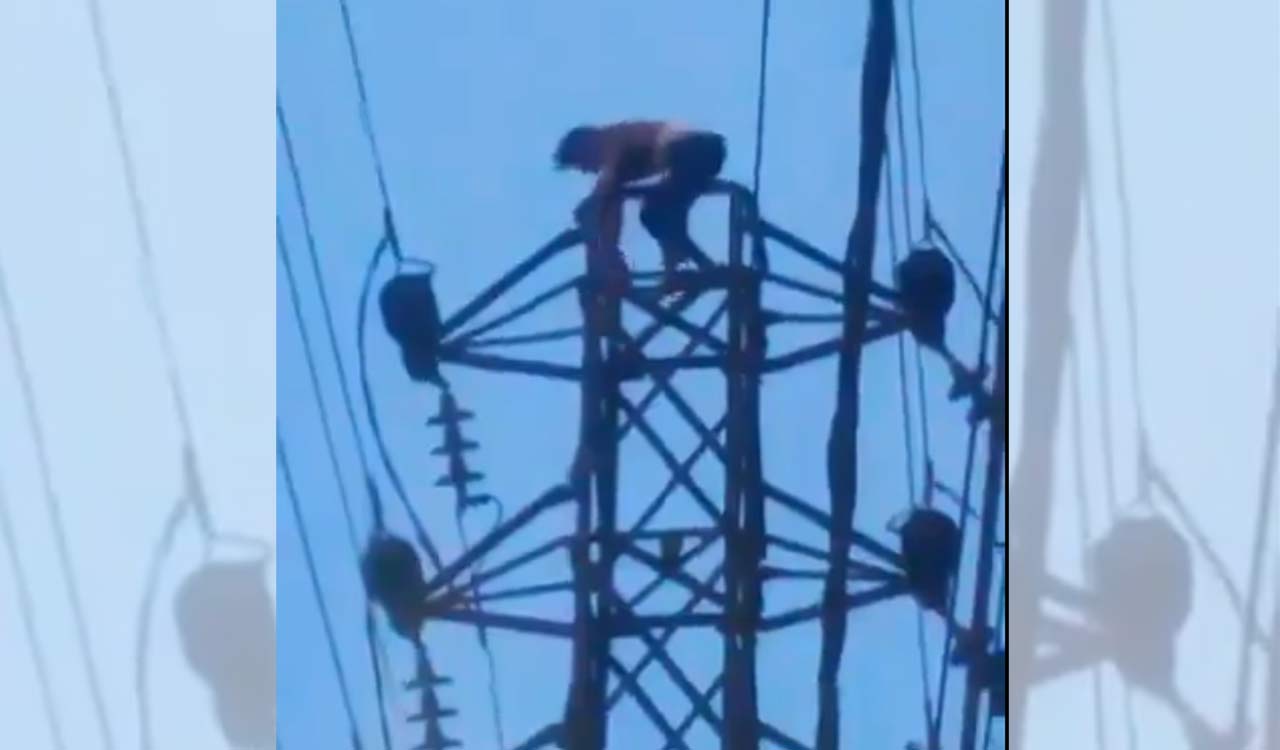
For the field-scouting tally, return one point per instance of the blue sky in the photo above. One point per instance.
(468, 101)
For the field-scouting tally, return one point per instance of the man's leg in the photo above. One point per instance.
(600, 220)
(665, 214)
(693, 161)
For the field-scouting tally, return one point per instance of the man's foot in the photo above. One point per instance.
(675, 281)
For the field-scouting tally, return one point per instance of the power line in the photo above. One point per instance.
(491, 662)
(367, 121)
(1126, 229)
(765, 22)
(26, 609)
(377, 653)
(194, 501)
(998, 224)
(327, 309)
(904, 168)
(366, 115)
(915, 75)
(54, 508)
(1080, 490)
(902, 352)
(929, 221)
(313, 256)
(375, 643)
(150, 589)
(150, 283)
(393, 476)
(907, 421)
(1126, 214)
(903, 164)
(326, 429)
(1000, 615)
(282, 461)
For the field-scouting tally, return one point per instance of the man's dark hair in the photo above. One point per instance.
(571, 146)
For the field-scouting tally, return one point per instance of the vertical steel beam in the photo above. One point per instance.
(607, 380)
(583, 715)
(980, 626)
(752, 482)
(734, 662)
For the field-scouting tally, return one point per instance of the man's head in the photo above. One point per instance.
(579, 149)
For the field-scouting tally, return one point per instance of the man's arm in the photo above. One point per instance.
(627, 154)
(607, 200)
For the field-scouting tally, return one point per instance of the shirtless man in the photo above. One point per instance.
(624, 153)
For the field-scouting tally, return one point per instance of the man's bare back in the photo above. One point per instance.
(626, 152)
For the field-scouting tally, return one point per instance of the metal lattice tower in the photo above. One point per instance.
(730, 602)
(616, 532)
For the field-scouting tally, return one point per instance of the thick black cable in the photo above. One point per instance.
(377, 652)
(282, 460)
(282, 251)
(915, 75)
(904, 168)
(922, 381)
(766, 17)
(54, 508)
(904, 389)
(997, 235)
(326, 429)
(26, 608)
(987, 734)
(907, 421)
(966, 512)
(929, 221)
(904, 165)
(491, 662)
